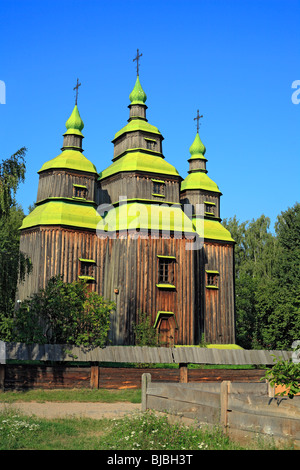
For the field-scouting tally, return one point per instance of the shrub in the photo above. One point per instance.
(64, 313)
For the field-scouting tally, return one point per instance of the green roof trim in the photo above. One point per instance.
(139, 161)
(134, 216)
(63, 213)
(70, 160)
(212, 230)
(199, 180)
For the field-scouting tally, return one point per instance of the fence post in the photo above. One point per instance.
(224, 391)
(94, 375)
(2, 364)
(146, 381)
(183, 373)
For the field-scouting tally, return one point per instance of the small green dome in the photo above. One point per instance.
(138, 96)
(74, 124)
(197, 149)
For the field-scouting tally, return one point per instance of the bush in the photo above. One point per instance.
(64, 313)
(286, 373)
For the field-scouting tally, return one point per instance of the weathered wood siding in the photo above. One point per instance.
(56, 251)
(59, 183)
(131, 269)
(132, 185)
(216, 306)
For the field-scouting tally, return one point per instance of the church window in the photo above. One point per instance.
(150, 144)
(158, 188)
(79, 191)
(86, 269)
(212, 279)
(166, 271)
(210, 208)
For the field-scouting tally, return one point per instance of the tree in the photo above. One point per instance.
(267, 280)
(13, 264)
(12, 173)
(63, 313)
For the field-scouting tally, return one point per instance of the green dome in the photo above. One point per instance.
(197, 149)
(71, 160)
(74, 124)
(138, 96)
(139, 161)
(199, 180)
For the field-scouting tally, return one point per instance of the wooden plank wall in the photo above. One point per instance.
(217, 306)
(21, 376)
(244, 411)
(131, 269)
(56, 183)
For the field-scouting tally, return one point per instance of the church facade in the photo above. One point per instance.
(137, 232)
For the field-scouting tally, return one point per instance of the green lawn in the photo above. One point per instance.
(143, 431)
(79, 395)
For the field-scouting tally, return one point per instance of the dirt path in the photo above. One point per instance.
(74, 409)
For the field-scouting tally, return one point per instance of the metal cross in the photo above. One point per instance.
(198, 117)
(138, 55)
(76, 88)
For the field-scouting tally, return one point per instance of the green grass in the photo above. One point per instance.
(73, 395)
(143, 431)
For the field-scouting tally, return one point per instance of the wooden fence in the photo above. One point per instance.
(55, 370)
(244, 411)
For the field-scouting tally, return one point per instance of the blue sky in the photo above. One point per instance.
(234, 60)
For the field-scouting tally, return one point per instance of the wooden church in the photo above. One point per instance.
(137, 232)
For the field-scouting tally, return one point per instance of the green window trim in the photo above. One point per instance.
(87, 260)
(166, 256)
(209, 214)
(158, 181)
(86, 278)
(209, 271)
(158, 195)
(212, 287)
(151, 140)
(79, 186)
(162, 313)
(211, 203)
(165, 286)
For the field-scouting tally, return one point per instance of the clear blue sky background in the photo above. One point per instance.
(234, 60)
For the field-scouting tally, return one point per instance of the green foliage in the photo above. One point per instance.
(145, 334)
(12, 173)
(267, 280)
(64, 313)
(286, 373)
(14, 265)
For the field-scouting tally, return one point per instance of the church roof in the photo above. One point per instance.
(71, 160)
(199, 180)
(139, 161)
(58, 212)
(145, 216)
(210, 229)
